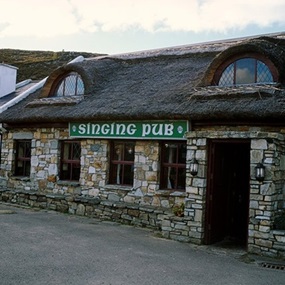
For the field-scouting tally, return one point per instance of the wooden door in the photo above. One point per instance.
(227, 191)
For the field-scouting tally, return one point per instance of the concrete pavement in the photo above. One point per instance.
(46, 247)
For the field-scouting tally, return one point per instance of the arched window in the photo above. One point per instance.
(245, 70)
(70, 85)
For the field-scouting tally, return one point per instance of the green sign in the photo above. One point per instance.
(130, 130)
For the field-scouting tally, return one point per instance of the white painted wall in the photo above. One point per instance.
(8, 76)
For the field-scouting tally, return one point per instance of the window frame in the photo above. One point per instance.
(222, 67)
(71, 163)
(164, 166)
(113, 175)
(62, 79)
(26, 160)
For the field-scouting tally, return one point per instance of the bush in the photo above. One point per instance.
(178, 209)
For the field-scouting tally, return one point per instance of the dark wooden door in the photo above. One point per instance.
(227, 191)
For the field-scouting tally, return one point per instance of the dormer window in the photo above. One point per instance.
(245, 70)
(72, 84)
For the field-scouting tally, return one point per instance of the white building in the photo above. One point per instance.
(8, 76)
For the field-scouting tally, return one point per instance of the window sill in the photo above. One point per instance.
(68, 183)
(56, 101)
(118, 187)
(173, 193)
(21, 178)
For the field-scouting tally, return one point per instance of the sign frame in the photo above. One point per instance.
(139, 130)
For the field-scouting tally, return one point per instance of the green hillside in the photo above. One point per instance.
(36, 65)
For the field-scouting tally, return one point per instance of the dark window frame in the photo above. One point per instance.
(73, 165)
(25, 159)
(176, 165)
(232, 60)
(122, 163)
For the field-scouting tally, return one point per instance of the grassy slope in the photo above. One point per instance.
(36, 65)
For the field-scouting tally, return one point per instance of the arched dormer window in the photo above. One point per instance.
(248, 69)
(70, 85)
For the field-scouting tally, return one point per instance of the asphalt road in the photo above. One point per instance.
(45, 247)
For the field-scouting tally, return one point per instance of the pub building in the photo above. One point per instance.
(188, 140)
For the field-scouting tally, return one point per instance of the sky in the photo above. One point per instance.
(120, 26)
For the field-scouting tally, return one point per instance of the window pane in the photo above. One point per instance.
(75, 172)
(263, 73)
(181, 178)
(23, 158)
(129, 152)
(124, 151)
(23, 168)
(80, 86)
(76, 151)
(170, 153)
(171, 177)
(182, 153)
(122, 163)
(21, 149)
(118, 154)
(127, 179)
(72, 151)
(245, 71)
(70, 171)
(70, 161)
(117, 174)
(27, 169)
(227, 77)
(71, 85)
(123, 174)
(66, 151)
(65, 167)
(28, 149)
(173, 168)
(65, 172)
(60, 89)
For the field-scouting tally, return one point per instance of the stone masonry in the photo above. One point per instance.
(45, 159)
(145, 204)
(266, 198)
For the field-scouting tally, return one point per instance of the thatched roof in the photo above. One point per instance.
(168, 83)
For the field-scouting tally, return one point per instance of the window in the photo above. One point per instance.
(23, 158)
(122, 163)
(70, 160)
(70, 85)
(247, 70)
(173, 165)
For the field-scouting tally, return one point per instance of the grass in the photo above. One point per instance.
(36, 65)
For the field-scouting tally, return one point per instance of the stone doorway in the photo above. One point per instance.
(227, 198)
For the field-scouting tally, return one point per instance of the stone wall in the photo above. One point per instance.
(45, 161)
(146, 172)
(94, 166)
(266, 198)
(158, 218)
(93, 207)
(195, 201)
(142, 204)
